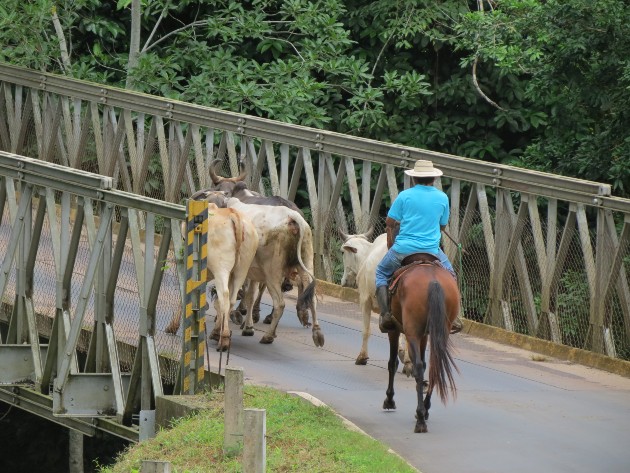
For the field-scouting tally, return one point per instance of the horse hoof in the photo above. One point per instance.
(266, 340)
(318, 338)
(361, 360)
(421, 428)
(248, 332)
(267, 319)
(236, 317)
(387, 404)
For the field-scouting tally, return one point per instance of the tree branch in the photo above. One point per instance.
(65, 57)
(174, 32)
(155, 27)
(476, 84)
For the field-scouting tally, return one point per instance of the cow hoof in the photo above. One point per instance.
(256, 315)
(223, 346)
(248, 332)
(214, 336)
(236, 317)
(267, 319)
(407, 369)
(318, 337)
(267, 339)
(361, 360)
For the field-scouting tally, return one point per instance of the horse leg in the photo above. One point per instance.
(403, 355)
(366, 308)
(415, 353)
(392, 368)
(427, 398)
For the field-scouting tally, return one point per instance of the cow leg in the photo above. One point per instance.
(366, 308)
(256, 308)
(223, 309)
(307, 297)
(302, 312)
(248, 329)
(278, 308)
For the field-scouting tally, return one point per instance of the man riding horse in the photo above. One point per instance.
(414, 225)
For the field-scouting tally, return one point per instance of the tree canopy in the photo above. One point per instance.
(539, 84)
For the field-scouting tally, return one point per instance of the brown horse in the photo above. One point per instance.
(425, 301)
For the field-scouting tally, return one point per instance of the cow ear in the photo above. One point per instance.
(351, 249)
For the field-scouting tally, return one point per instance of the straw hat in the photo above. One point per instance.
(423, 168)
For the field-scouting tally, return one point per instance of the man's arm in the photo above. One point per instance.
(391, 227)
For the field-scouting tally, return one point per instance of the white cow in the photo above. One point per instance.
(285, 250)
(360, 258)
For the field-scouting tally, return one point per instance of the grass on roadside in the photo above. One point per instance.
(301, 437)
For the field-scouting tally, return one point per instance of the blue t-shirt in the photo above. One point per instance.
(421, 210)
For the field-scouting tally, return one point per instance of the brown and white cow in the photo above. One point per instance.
(360, 258)
(285, 251)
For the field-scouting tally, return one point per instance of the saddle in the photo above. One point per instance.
(409, 262)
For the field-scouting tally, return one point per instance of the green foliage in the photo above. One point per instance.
(395, 71)
(300, 437)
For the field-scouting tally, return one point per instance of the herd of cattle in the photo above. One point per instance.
(259, 243)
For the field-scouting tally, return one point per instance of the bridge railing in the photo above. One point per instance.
(76, 271)
(545, 255)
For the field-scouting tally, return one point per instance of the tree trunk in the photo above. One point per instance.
(134, 43)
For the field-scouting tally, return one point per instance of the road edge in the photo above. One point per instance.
(499, 335)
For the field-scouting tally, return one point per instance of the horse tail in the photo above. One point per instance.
(441, 361)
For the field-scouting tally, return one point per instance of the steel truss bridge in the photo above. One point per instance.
(92, 181)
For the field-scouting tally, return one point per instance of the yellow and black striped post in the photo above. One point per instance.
(196, 278)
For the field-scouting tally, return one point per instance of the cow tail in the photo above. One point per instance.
(237, 226)
(306, 298)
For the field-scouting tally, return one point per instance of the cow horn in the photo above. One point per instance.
(343, 235)
(368, 234)
(213, 175)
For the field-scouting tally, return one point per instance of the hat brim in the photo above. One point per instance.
(433, 173)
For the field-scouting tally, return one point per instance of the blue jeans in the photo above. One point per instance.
(391, 262)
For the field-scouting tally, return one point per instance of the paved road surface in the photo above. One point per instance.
(512, 414)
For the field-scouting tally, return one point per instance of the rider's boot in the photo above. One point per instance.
(385, 322)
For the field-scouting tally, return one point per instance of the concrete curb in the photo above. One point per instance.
(526, 342)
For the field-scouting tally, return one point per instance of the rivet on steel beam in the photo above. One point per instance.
(597, 201)
(497, 171)
(241, 121)
(102, 100)
(319, 146)
(496, 182)
(240, 129)
(403, 162)
(404, 153)
(319, 136)
(169, 114)
(169, 106)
